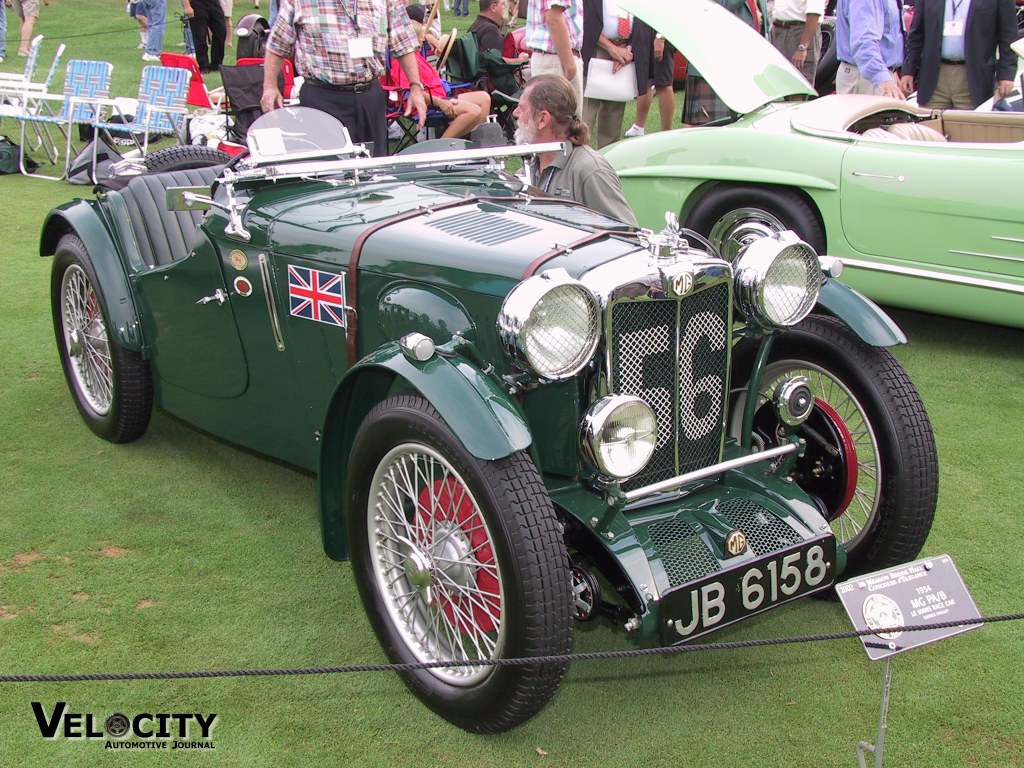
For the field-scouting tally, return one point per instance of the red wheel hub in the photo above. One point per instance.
(444, 508)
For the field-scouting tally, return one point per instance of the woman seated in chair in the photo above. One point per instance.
(464, 110)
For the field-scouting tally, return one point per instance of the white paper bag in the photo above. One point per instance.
(603, 84)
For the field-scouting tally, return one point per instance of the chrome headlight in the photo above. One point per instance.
(619, 434)
(550, 324)
(777, 280)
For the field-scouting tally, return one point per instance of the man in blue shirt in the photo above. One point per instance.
(869, 44)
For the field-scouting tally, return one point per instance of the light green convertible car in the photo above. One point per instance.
(922, 206)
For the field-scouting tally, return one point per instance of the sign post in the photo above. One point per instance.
(927, 591)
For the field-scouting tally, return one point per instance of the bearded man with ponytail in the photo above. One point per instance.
(548, 111)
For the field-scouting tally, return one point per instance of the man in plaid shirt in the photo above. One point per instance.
(554, 34)
(340, 47)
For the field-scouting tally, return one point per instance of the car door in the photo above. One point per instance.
(935, 205)
(191, 330)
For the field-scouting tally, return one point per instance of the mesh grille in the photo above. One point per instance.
(483, 228)
(682, 553)
(674, 355)
(765, 532)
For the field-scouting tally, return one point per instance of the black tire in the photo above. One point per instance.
(253, 44)
(877, 478)
(111, 386)
(184, 157)
(825, 72)
(732, 217)
(505, 589)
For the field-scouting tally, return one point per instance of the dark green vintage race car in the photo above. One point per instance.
(522, 413)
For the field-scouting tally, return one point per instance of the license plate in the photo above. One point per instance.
(728, 596)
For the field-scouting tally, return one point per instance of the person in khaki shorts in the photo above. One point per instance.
(28, 10)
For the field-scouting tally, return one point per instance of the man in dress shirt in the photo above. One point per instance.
(554, 33)
(950, 50)
(340, 48)
(869, 45)
(796, 34)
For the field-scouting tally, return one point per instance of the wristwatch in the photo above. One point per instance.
(801, 47)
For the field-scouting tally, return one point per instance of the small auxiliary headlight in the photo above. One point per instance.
(618, 435)
(777, 280)
(550, 324)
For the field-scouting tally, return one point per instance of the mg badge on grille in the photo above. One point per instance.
(677, 283)
(735, 542)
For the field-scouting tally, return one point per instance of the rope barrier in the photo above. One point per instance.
(560, 659)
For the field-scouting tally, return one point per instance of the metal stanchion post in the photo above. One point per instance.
(883, 723)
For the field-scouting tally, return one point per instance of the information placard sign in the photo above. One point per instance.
(927, 591)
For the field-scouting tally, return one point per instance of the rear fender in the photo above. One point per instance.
(486, 419)
(81, 218)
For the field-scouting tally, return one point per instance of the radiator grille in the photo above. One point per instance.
(674, 355)
(683, 554)
(765, 532)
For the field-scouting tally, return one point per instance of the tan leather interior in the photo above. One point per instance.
(985, 127)
(915, 132)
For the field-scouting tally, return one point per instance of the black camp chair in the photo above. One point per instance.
(487, 71)
(243, 87)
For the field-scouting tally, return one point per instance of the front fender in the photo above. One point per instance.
(81, 218)
(861, 314)
(479, 411)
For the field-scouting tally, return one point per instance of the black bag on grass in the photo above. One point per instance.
(9, 158)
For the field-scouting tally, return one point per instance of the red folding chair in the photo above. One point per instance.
(198, 94)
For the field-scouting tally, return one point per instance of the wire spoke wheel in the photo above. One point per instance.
(112, 386)
(88, 344)
(869, 460)
(848, 417)
(457, 559)
(435, 562)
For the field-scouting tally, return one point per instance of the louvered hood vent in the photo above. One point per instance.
(483, 228)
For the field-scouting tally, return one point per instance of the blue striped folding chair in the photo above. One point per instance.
(86, 87)
(160, 109)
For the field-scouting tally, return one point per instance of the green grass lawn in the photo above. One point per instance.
(179, 552)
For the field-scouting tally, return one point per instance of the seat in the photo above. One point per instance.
(243, 87)
(396, 85)
(198, 94)
(287, 79)
(86, 88)
(904, 132)
(18, 81)
(162, 236)
(19, 100)
(487, 71)
(915, 132)
(159, 109)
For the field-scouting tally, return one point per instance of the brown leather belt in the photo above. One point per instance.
(788, 24)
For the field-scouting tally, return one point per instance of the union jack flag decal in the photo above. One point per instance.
(317, 295)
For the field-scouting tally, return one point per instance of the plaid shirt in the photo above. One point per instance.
(319, 31)
(538, 37)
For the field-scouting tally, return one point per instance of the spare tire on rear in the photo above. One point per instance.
(183, 157)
